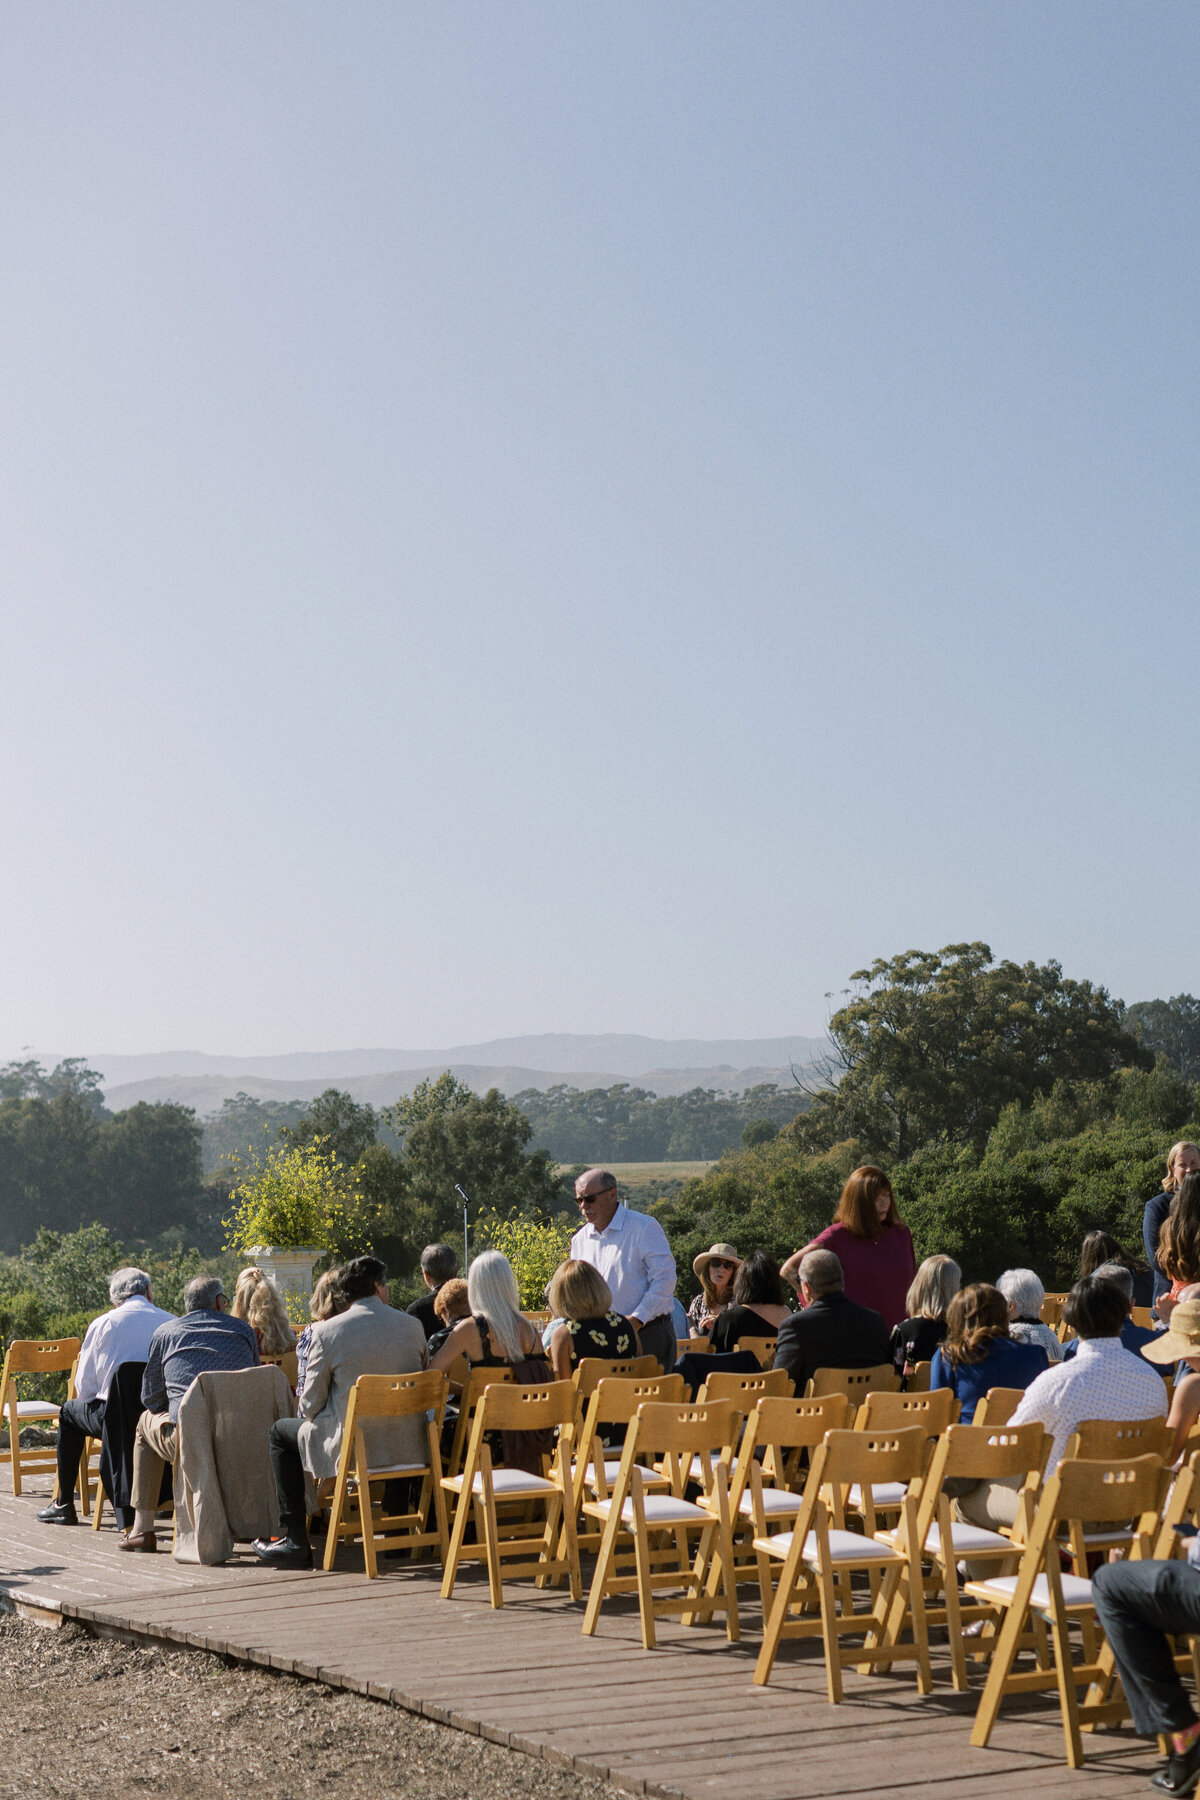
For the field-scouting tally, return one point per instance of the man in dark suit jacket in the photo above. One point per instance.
(831, 1332)
(438, 1266)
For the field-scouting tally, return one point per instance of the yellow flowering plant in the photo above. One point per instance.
(298, 1197)
(534, 1247)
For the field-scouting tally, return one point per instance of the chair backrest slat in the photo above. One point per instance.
(1115, 1440)
(729, 1384)
(889, 1412)
(858, 1383)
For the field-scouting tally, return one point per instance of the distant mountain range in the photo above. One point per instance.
(664, 1066)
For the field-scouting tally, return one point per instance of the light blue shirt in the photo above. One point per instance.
(635, 1259)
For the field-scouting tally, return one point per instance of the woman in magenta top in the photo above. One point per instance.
(874, 1248)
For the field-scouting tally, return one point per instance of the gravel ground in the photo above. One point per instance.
(86, 1716)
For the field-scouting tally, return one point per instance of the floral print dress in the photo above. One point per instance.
(611, 1336)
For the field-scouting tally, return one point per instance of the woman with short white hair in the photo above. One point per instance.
(1024, 1292)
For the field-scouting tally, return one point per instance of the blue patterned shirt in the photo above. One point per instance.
(191, 1346)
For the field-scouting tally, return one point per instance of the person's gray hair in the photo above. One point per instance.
(123, 1284)
(822, 1272)
(492, 1290)
(1023, 1290)
(439, 1262)
(202, 1293)
(1118, 1273)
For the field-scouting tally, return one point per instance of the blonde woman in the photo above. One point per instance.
(1182, 1159)
(325, 1302)
(933, 1287)
(579, 1295)
(258, 1301)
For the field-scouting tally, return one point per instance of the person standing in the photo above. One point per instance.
(120, 1336)
(631, 1251)
(1182, 1159)
(871, 1242)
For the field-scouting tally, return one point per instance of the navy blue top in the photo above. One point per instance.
(1153, 1219)
(1006, 1364)
(202, 1340)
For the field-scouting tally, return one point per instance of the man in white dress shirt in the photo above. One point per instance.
(120, 1336)
(631, 1251)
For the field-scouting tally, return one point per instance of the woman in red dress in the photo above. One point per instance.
(873, 1245)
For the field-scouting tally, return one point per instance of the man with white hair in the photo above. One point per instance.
(119, 1336)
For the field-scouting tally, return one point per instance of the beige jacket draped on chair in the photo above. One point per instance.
(224, 1487)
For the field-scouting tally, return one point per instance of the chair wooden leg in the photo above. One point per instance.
(600, 1575)
(336, 1508)
(641, 1546)
(570, 1531)
(98, 1511)
(829, 1631)
(491, 1529)
(954, 1626)
(462, 1513)
(1002, 1661)
(1064, 1670)
(366, 1510)
(773, 1631)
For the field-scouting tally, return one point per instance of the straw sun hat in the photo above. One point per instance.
(724, 1252)
(1181, 1340)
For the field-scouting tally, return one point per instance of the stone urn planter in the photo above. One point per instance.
(291, 1270)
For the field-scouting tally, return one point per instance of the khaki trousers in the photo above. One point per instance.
(153, 1448)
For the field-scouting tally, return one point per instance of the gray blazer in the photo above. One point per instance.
(369, 1338)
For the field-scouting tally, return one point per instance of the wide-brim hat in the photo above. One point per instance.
(1181, 1339)
(726, 1252)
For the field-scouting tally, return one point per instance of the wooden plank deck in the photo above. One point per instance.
(683, 1719)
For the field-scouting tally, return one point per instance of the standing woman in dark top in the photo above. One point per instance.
(758, 1308)
(1100, 1247)
(934, 1286)
(1182, 1159)
(579, 1295)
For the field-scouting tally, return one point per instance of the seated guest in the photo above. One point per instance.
(1180, 1343)
(206, 1337)
(1101, 1247)
(934, 1286)
(369, 1338)
(1134, 1337)
(450, 1304)
(325, 1302)
(978, 1352)
(497, 1333)
(758, 1308)
(1142, 1605)
(120, 1336)
(579, 1295)
(1025, 1294)
(257, 1300)
(831, 1332)
(714, 1269)
(438, 1266)
(1101, 1381)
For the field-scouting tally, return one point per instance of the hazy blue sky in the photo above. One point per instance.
(558, 517)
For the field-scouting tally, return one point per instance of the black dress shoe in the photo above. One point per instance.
(1181, 1773)
(283, 1553)
(60, 1512)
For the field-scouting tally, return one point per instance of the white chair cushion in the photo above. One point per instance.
(972, 1540)
(613, 1468)
(514, 1484)
(777, 1503)
(36, 1409)
(883, 1493)
(1076, 1591)
(844, 1547)
(661, 1509)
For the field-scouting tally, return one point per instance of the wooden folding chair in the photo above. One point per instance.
(1107, 1441)
(1143, 1316)
(762, 1347)
(679, 1436)
(767, 1482)
(482, 1489)
(613, 1404)
(855, 1383)
(998, 1406)
(973, 1453)
(818, 1559)
(690, 1346)
(288, 1363)
(1052, 1309)
(933, 1412)
(918, 1378)
(745, 1389)
(352, 1509)
(1085, 1491)
(474, 1385)
(32, 1356)
(539, 1320)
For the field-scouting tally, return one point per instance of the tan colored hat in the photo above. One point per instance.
(726, 1252)
(1181, 1339)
